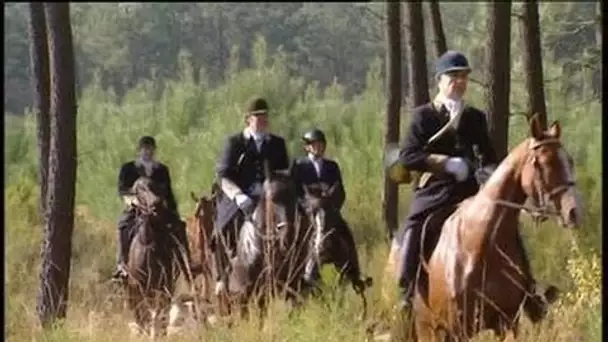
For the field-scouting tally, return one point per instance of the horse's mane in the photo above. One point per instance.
(281, 188)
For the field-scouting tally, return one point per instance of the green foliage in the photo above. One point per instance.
(128, 90)
(125, 43)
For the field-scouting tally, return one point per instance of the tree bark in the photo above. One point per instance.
(39, 65)
(599, 10)
(498, 63)
(390, 195)
(598, 30)
(54, 277)
(439, 35)
(533, 63)
(419, 84)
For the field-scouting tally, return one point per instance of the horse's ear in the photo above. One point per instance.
(536, 128)
(193, 196)
(555, 130)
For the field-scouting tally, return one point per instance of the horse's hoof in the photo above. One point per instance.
(220, 288)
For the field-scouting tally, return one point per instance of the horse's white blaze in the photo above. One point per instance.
(250, 243)
(280, 214)
(319, 225)
(310, 264)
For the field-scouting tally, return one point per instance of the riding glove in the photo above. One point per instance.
(457, 167)
(243, 202)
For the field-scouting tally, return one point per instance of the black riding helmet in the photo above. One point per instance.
(314, 135)
(147, 141)
(451, 61)
(256, 106)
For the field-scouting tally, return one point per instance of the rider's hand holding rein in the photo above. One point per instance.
(243, 201)
(458, 167)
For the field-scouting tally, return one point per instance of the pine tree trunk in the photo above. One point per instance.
(598, 42)
(419, 84)
(439, 35)
(498, 63)
(39, 65)
(54, 277)
(533, 63)
(390, 195)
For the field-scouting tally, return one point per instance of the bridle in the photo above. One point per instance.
(543, 210)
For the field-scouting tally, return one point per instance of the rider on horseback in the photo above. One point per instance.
(318, 173)
(240, 170)
(145, 165)
(447, 163)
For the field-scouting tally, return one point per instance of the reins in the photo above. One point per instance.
(542, 211)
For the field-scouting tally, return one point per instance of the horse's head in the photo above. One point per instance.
(204, 211)
(279, 199)
(316, 202)
(150, 200)
(317, 199)
(547, 176)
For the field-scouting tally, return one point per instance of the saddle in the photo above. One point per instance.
(431, 229)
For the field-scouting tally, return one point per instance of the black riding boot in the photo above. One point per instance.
(537, 304)
(409, 268)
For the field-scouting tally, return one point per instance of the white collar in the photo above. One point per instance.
(440, 100)
(256, 136)
(315, 159)
(148, 163)
(450, 104)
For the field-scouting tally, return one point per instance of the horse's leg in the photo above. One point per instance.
(221, 263)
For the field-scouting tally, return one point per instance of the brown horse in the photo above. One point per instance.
(200, 228)
(268, 260)
(473, 281)
(151, 273)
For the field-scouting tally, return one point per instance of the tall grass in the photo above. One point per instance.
(190, 122)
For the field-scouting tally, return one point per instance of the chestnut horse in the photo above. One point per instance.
(472, 280)
(200, 227)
